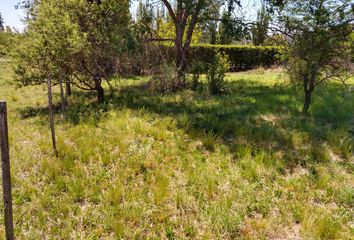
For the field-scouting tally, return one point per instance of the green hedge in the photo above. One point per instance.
(240, 57)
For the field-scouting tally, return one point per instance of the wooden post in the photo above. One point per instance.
(6, 174)
(50, 107)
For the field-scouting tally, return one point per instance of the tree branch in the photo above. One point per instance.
(193, 23)
(160, 40)
(171, 12)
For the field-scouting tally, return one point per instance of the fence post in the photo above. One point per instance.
(6, 175)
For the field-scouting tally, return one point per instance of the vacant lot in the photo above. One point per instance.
(246, 165)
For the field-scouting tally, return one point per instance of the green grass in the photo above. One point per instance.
(246, 165)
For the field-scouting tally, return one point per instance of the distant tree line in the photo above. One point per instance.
(2, 27)
(8, 38)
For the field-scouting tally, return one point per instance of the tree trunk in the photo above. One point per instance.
(67, 88)
(307, 102)
(100, 90)
(180, 19)
(309, 86)
(181, 68)
(181, 58)
(213, 36)
(62, 98)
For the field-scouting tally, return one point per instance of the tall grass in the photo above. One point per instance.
(246, 165)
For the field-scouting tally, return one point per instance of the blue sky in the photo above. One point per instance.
(13, 17)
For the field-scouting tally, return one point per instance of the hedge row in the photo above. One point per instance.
(240, 57)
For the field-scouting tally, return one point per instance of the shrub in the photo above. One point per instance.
(216, 73)
(163, 79)
(196, 70)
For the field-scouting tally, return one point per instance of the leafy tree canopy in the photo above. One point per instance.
(78, 38)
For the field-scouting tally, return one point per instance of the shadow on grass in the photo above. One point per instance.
(30, 112)
(265, 118)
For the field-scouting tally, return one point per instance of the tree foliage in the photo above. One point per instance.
(8, 40)
(2, 27)
(29, 7)
(78, 38)
(230, 30)
(260, 28)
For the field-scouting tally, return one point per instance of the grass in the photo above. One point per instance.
(246, 165)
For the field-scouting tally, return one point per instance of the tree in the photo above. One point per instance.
(210, 28)
(48, 43)
(318, 48)
(185, 17)
(2, 28)
(226, 29)
(29, 7)
(8, 40)
(260, 28)
(78, 39)
(210, 33)
(105, 23)
(229, 29)
(180, 16)
(145, 15)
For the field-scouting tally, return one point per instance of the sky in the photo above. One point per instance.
(14, 17)
(11, 16)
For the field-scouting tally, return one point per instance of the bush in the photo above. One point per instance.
(196, 69)
(216, 73)
(163, 79)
